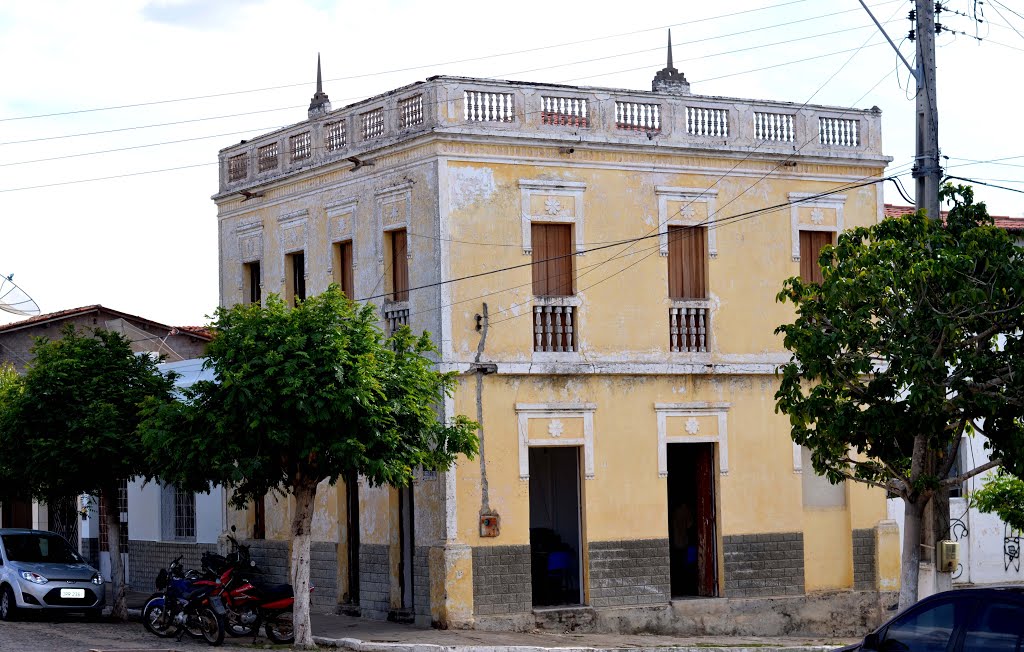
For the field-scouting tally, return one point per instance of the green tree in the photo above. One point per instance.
(912, 340)
(1002, 495)
(302, 395)
(70, 425)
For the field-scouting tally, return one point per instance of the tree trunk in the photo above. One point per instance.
(911, 562)
(305, 499)
(112, 514)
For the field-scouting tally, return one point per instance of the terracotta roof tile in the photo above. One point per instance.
(194, 331)
(1002, 221)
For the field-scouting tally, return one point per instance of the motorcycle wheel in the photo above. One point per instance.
(210, 625)
(234, 626)
(280, 628)
(156, 619)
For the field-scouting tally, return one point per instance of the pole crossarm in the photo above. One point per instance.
(914, 71)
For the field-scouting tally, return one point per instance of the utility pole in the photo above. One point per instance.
(928, 174)
(927, 170)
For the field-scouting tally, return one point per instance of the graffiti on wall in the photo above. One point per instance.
(1011, 548)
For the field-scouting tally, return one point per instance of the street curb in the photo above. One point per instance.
(358, 645)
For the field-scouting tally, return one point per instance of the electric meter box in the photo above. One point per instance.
(947, 556)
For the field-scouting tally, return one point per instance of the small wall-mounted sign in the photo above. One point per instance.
(490, 525)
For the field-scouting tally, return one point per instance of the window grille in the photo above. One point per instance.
(184, 514)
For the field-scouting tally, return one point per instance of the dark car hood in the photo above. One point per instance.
(77, 572)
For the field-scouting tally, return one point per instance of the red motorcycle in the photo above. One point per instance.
(249, 603)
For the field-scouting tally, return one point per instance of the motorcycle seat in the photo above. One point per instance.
(276, 591)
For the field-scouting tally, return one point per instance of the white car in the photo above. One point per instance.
(40, 570)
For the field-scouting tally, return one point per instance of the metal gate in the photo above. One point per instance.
(62, 514)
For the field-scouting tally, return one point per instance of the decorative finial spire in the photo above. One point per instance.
(668, 67)
(670, 80)
(320, 104)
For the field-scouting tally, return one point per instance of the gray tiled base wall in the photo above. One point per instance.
(628, 572)
(764, 564)
(323, 572)
(501, 580)
(864, 559)
(374, 581)
(273, 558)
(91, 551)
(421, 582)
(146, 558)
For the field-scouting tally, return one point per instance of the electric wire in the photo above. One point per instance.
(405, 69)
(982, 183)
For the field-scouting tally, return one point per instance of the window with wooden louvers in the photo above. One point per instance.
(343, 268)
(811, 244)
(399, 265)
(687, 265)
(553, 262)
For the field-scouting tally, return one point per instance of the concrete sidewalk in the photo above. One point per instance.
(362, 635)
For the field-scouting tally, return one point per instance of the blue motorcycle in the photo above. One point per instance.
(183, 604)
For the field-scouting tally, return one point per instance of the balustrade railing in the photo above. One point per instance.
(488, 106)
(371, 123)
(774, 127)
(410, 112)
(396, 315)
(301, 146)
(688, 327)
(267, 157)
(564, 111)
(554, 328)
(238, 167)
(844, 132)
(707, 122)
(610, 113)
(336, 136)
(637, 116)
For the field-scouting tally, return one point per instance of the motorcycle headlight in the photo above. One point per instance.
(35, 578)
(96, 579)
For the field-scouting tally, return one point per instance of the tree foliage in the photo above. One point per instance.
(70, 426)
(302, 395)
(307, 394)
(1002, 495)
(913, 339)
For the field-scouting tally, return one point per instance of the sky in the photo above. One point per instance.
(112, 113)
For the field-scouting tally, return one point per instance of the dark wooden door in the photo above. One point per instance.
(707, 553)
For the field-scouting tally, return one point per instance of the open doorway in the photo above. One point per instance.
(406, 533)
(555, 525)
(691, 520)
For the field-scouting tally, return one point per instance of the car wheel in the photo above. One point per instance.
(8, 607)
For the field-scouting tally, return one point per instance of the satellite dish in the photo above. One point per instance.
(15, 300)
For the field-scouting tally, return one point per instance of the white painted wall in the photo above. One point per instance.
(143, 510)
(989, 550)
(210, 515)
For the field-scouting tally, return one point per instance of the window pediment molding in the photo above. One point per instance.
(552, 211)
(813, 201)
(707, 197)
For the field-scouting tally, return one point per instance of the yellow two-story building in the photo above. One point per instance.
(601, 267)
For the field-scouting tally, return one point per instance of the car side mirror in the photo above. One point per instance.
(871, 642)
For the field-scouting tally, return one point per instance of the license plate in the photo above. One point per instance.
(72, 593)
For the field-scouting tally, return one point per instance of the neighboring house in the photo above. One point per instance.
(175, 343)
(990, 550)
(167, 522)
(630, 451)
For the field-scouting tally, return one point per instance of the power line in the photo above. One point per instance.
(108, 178)
(435, 65)
(982, 183)
(732, 218)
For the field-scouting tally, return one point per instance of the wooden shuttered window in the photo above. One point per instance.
(343, 268)
(399, 265)
(687, 262)
(811, 244)
(553, 262)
